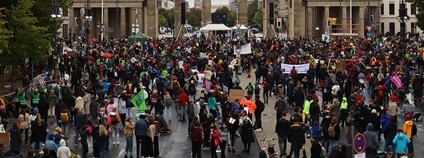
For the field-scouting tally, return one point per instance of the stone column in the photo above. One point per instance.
(177, 17)
(242, 12)
(326, 15)
(206, 12)
(131, 21)
(123, 22)
(152, 18)
(361, 24)
(139, 16)
(71, 26)
(311, 26)
(81, 20)
(106, 23)
(345, 19)
(299, 18)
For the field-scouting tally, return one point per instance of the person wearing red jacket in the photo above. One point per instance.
(215, 141)
(196, 140)
(182, 102)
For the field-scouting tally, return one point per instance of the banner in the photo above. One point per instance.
(396, 81)
(301, 68)
(139, 101)
(244, 49)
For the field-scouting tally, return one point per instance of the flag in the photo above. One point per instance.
(139, 101)
(396, 81)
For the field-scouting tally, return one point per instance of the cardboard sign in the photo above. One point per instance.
(341, 65)
(236, 94)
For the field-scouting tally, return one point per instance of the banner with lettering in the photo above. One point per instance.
(300, 68)
(396, 81)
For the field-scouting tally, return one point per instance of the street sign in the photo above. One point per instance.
(359, 143)
(361, 155)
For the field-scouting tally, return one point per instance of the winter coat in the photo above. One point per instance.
(247, 131)
(38, 132)
(296, 135)
(401, 140)
(15, 140)
(63, 151)
(23, 121)
(371, 137)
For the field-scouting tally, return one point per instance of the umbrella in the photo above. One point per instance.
(107, 55)
(138, 37)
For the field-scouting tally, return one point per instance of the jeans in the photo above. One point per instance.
(37, 145)
(387, 144)
(213, 112)
(102, 150)
(213, 151)
(77, 135)
(410, 146)
(115, 133)
(296, 150)
(129, 145)
(138, 141)
(130, 113)
(192, 97)
(331, 143)
(223, 145)
(258, 122)
(282, 142)
(196, 149)
(167, 113)
(182, 112)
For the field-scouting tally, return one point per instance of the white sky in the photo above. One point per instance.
(214, 2)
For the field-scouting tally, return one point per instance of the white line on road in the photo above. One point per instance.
(166, 142)
(121, 153)
(420, 129)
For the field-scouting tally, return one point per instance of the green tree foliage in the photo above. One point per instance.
(420, 15)
(4, 33)
(194, 17)
(28, 40)
(168, 17)
(252, 9)
(257, 19)
(231, 15)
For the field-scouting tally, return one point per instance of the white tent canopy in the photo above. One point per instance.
(215, 27)
(242, 27)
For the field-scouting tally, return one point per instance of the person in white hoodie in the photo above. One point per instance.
(63, 151)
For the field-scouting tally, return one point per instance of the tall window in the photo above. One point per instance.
(413, 9)
(391, 9)
(392, 28)
(65, 31)
(382, 28)
(65, 12)
(382, 9)
(412, 27)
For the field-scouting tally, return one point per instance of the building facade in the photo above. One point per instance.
(389, 22)
(120, 18)
(309, 17)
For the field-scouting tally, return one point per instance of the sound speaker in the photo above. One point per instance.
(183, 11)
(271, 13)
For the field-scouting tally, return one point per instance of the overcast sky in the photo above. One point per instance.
(214, 2)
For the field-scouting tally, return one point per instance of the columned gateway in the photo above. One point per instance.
(310, 18)
(120, 18)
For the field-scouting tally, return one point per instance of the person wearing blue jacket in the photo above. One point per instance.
(400, 142)
(51, 145)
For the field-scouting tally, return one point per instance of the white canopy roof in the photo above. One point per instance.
(215, 27)
(242, 27)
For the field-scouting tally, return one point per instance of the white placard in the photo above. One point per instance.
(244, 49)
(301, 68)
(360, 155)
(181, 64)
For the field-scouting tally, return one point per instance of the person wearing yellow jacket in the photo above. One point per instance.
(343, 111)
(410, 130)
(306, 107)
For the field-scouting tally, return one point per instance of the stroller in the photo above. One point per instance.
(164, 129)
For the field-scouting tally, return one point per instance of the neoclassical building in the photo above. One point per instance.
(120, 18)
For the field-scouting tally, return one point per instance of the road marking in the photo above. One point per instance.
(169, 136)
(420, 129)
(121, 153)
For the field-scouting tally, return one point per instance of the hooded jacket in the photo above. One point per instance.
(407, 128)
(371, 137)
(401, 140)
(63, 151)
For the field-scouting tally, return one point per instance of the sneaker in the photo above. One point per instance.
(218, 150)
(118, 142)
(113, 143)
(258, 130)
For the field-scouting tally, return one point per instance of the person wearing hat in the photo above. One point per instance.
(410, 130)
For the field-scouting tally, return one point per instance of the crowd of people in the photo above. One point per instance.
(92, 92)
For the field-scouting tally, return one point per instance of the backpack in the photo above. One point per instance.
(64, 116)
(192, 89)
(114, 120)
(175, 85)
(250, 89)
(331, 132)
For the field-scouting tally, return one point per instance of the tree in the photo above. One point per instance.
(257, 19)
(420, 15)
(42, 10)
(168, 14)
(231, 15)
(252, 9)
(4, 33)
(162, 21)
(194, 17)
(29, 41)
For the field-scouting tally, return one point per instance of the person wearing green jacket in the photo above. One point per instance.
(35, 99)
(343, 111)
(22, 99)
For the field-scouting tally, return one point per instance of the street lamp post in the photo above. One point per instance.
(88, 16)
(403, 18)
(55, 16)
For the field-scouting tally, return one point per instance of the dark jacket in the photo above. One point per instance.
(316, 150)
(337, 132)
(296, 135)
(375, 120)
(38, 132)
(94, 109)
(197, 134)
(260, 106)
(314, 110)
(280, 105)
(78, 120)
(390, 132)
(59, 108)
(282, 128)
(140, 128)
(371, 137)
(15, 140)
